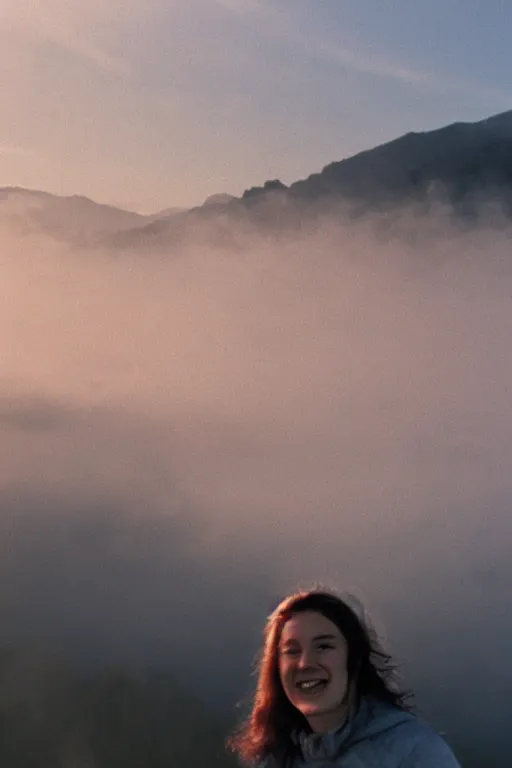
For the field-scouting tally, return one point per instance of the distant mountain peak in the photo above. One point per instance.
(275, 185)
(221, 198)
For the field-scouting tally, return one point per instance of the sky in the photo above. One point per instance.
(161, 103)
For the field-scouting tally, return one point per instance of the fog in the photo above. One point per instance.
(188, 434)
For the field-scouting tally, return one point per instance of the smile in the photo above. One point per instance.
(312, 686)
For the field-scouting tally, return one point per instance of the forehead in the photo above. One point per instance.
(305, 626)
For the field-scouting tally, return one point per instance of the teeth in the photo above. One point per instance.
(310, 683)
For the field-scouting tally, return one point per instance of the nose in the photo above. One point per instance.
(306, 658)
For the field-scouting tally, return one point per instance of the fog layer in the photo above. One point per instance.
(187, 435)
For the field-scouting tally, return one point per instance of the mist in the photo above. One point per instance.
(187, 435)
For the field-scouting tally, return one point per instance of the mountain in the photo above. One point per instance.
(172, 211)
(76, 218)
(219, 199)
(464, 166)
(461, 162)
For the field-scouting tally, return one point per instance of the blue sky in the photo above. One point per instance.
(163, 102)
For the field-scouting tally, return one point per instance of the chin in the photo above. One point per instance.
(310, 710)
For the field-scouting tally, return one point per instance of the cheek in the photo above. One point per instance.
(339, 669)
(285, 669)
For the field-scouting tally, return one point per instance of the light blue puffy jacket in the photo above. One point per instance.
(378, 736)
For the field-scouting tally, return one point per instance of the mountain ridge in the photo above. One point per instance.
(463, 165)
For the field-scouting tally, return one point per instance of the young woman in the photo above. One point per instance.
(325, 696)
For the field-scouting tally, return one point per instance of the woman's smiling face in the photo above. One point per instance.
(313, 669)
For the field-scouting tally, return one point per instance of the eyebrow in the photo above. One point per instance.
(315, 639)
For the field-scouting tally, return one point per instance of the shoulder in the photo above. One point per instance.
(395, 738)
(423, 747)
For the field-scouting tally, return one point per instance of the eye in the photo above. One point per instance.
(325, 646)
(290, 651)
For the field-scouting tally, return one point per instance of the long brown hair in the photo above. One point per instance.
(273, 719)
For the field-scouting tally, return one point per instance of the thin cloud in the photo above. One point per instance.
(69, 41)
(372, 66)
(341, 55)
(281, 26)
(383, 67)
(96, 55)
(12, 149)
(79, 28)
(380, 66)
(241, 6)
